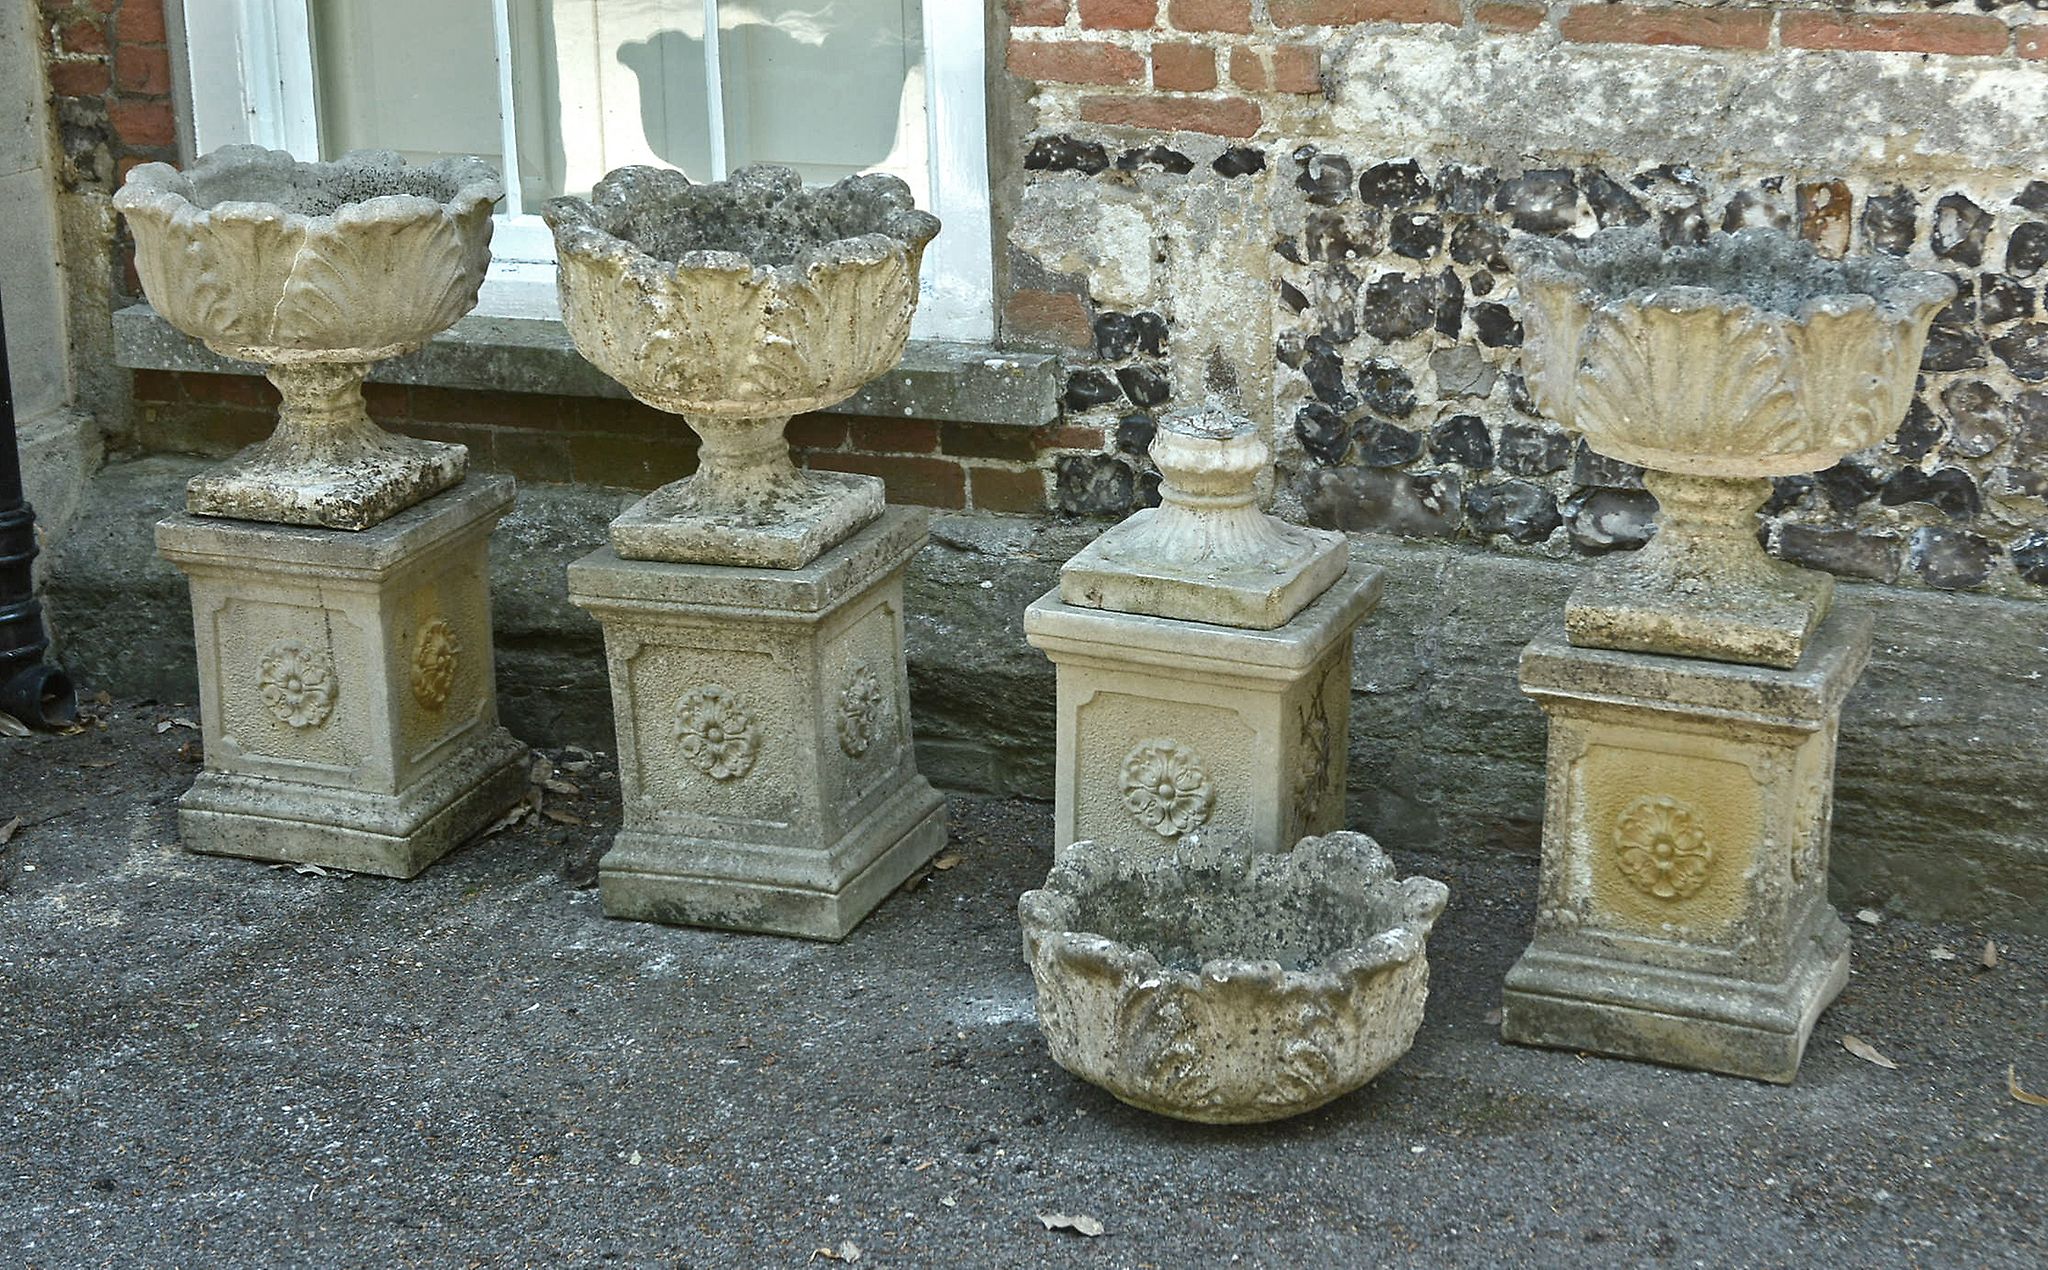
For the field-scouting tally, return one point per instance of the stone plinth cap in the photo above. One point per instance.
(603, 581)
(1207, 553)
(216, 543)
(1076, 633)
(1560, 673)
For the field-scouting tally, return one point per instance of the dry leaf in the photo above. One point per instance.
(11, 726)
(1867, 1052)
(182, 722)
(561, 787)
(313, 869)
(163, 726)
(1079, 1223)
(8, 830)
(1990, 957)
(562, 817)
(847, 1251)
(947, 861)
(517, 813)
(1941, 954)
(2012, 1086)
(1869, 916)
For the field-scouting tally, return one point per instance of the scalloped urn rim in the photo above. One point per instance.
(1792, 362)
(755, 298)
(169, 212)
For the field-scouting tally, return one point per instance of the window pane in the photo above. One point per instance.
(598, 84)
(829, 87)
(391, 74)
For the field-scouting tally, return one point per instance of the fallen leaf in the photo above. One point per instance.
(8, 830)
(11, 726)
(2012, 1086)
(562, 817)
(561, 787)
(1990, 957)
(1867, 1052)
(313, 869)
(847, 1251)
(518, 812)
(1941, 954)
(947, 861)
(1079, 1223)
(541, 770)
(1869, 916)
(163, 726)
(182, 722)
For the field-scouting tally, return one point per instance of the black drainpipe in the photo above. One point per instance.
(31, 689)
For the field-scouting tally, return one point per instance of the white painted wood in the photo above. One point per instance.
(252, 70)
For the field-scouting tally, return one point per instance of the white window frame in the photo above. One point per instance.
(252, 81)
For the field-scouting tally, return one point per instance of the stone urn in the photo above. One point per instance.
(1230, 986)
(738, 304)
(1714, 368)
(316, 271)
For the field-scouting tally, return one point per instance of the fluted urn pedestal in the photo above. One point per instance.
(1695, 687)
(340, 595)
(1204, 659)
(753, 612)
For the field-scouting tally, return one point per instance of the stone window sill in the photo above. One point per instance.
(961, 383)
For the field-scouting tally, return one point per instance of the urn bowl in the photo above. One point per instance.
(1229, 986)
(744, 297)
(272, 260)
(1750, 355)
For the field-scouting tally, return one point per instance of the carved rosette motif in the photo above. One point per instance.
(862, 709)
(296, 684)
(715, 733)
(1166, 788)
(434, 659)
(1661, 849)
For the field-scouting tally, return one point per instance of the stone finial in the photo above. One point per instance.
(1207, 553)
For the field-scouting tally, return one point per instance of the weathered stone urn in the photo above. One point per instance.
(1228, 986)
(753, 613)
(1716, 367)
(736, 305)
(316, 271)
(1204, 656)
(1695, 688)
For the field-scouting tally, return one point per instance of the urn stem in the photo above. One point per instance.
(322, 419)
(743, 458)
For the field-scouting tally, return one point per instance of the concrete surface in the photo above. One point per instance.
(213, 1062)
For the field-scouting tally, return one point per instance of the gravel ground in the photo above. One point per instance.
(214, 1062)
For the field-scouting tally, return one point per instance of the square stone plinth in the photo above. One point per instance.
(1168, 726)
(1683, 914)
(764, 739)
(346, 694)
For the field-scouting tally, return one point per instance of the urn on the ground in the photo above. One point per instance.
(1715, 367)
(738, 304)
(315, 271)
(1226, 985)
(1204, 658)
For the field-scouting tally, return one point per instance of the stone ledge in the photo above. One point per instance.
(960, 383)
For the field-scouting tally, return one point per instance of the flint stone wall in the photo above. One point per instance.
(1336, 256)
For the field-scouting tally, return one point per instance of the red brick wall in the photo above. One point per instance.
(110, 87)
